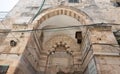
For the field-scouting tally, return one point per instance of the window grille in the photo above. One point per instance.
(3, 69)
(73, 1)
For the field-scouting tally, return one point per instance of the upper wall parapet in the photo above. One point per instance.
(103, 10)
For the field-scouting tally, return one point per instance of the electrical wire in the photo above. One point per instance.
(53, 29)
(113, 45)
(29, 36)
(59, 28)
(30, 21)
(9, 32)
(41, 6)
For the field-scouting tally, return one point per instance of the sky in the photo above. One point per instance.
(7, 5)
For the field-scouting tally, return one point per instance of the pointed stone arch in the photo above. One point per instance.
(79, 15)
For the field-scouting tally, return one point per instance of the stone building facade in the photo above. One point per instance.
(52, 36)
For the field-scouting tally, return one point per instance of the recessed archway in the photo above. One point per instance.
(79, 15)
(50, 41)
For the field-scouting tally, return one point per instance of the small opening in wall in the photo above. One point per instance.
(117, 36)
(78, 36)
(13, 43)
(73, 1)
(116, 3)
(118, 41)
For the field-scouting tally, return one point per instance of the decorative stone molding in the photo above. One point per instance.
(62, 10)
(68, 41)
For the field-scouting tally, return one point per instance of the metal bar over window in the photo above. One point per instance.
(73, 1)
(3, 69)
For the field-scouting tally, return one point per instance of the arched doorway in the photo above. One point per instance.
(53, 41)
(62, 51)
(61, 59)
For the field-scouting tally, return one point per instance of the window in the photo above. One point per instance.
(3, 69)
(78, 36)
(73, 1)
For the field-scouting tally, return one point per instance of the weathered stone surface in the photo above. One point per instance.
(46, 42)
